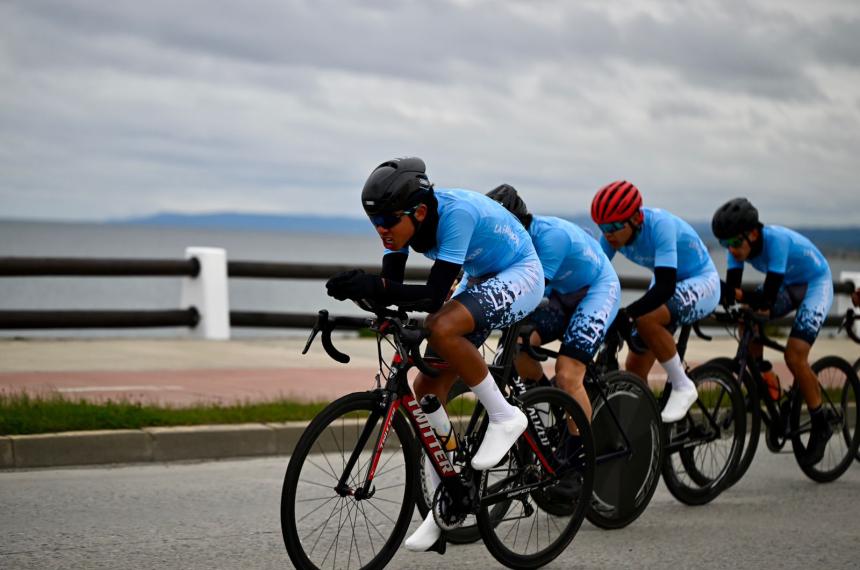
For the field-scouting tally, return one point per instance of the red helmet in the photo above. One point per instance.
(615, 202)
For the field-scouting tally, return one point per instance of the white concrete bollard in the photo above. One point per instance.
(208, 292)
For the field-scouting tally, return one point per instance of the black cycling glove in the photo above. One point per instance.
(727, 294)
(624, 323)
(355, 284)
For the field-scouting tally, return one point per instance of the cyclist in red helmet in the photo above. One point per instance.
(685, 287)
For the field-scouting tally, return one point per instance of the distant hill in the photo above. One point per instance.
(830, 240)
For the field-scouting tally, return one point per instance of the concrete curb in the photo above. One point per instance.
(149, 445)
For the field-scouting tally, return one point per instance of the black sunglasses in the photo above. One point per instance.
(388, 221)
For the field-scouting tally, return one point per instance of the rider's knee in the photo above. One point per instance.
(568, 380)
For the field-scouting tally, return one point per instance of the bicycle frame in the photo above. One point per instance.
(772, 414)
(396, 397)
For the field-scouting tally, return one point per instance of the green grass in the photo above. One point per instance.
(24, 414)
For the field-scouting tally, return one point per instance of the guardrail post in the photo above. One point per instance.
(843, 302)
(208, 292)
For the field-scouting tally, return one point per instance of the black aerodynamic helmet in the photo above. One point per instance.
(507, 196)
(395, 185)
(733, 218)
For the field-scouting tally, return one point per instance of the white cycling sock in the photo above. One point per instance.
(498, 409)
(676, 375)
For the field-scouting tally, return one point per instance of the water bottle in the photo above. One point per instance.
(771, 379)
(439, 421)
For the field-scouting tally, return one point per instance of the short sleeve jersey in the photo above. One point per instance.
(571, 258)
(787, 252)
(665, 240)
(478, 233)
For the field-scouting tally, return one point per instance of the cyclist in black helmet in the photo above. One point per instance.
(584, 295)
(797, 277)
(502, 283)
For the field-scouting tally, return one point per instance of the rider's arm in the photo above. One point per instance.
(428, 297)
(665, 271)
(772, 283)
(665, 279)
(734, 276)
(394, 266)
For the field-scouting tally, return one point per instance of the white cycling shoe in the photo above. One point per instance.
(498, 440)
(424, 536)
(680, 400)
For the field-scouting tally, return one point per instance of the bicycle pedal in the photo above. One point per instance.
(439, 546)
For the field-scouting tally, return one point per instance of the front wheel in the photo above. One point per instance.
(325, 525)
(839, 393)
(629, 441)
(750, 392)
(703, 448)
(535, 525)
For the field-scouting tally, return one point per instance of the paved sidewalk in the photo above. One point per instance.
(180, 372)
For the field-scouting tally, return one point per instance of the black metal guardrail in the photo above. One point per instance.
(189, 317)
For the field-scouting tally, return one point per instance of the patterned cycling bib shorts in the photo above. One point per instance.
(812, 302)
(580, 318)
(694, 299)
(501, 300)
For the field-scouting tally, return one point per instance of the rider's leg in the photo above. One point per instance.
(815, 304)
(652, 329)
(447, 329)
(639, 364)
(569, 375)
(797, 360)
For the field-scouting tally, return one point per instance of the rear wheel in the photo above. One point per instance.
(703, 448)
(534, 529)
(839, 393)
(625, 477)
(325, 527)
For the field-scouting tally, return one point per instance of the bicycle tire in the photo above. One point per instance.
(752, 435)
(857, 370)
(840, 390)
(624, 486)
(694, 472)
(305, 517)
(502, 537)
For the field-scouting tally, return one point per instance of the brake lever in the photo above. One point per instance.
(322, 319)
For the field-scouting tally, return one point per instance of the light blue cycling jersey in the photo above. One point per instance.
(787, 252)
(665, 240)
(478, 233)
(571, 257)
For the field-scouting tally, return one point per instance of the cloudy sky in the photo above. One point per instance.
(127, 108)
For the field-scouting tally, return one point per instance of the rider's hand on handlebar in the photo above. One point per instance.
(354, 284)
(624, 323)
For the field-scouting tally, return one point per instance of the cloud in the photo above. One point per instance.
(127, 108)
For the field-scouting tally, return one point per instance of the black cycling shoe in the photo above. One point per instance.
(818, 437)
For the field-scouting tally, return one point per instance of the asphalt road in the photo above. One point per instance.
(225, 515)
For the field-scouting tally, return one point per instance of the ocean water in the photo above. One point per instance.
(50, 239)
